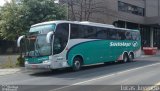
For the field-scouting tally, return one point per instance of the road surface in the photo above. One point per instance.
(109, 77)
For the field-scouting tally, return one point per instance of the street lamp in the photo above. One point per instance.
(65, 4)
(56, 1)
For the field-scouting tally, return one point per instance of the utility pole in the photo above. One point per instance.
(67, 10)
(158, 8)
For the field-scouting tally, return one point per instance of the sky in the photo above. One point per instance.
(2, 2)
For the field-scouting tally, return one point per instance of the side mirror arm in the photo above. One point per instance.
(19, 40)
(48, 37)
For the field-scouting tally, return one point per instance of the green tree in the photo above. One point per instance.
(17, 17)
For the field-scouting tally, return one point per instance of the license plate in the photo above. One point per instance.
(34, 66)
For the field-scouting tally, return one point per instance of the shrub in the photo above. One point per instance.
(20, 61)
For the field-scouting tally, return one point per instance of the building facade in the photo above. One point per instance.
(143, 15)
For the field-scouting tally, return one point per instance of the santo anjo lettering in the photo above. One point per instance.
(120, 44)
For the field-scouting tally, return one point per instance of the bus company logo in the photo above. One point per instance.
(120, 44)
(135, 44)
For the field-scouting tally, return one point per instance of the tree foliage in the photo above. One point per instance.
(17, 17)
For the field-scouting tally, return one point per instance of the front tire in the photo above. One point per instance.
(125, 58)
(77, 64)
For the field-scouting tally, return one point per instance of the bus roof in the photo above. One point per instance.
(82, 23)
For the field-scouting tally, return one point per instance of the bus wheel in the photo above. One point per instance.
(131, 57)
(125, 58)
(77, 63)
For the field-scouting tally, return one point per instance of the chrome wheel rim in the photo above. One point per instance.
(77, 64)
(125, 59)
(130, 57)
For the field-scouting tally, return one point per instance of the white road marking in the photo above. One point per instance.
(105, 76)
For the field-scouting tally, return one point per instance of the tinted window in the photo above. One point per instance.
(128, 35)
(135, 36)
(77, 31)
(90, 32)
(61, 38)
(82, 31)
(102, 33)
(114, 35)
(121, 34)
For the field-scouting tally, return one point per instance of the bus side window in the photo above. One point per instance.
(119, 35)
(74, 31)
(135, 36)
(101, 33)
(114, 34)
(77, 31)
(138, 36)
(81, 31)
(122, 35)
(60, 38)
(128, 35)
(90, 32)
(107, 33)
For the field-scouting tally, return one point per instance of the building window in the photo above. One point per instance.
(125, 7)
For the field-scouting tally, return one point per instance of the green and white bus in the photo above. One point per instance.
(61, 44)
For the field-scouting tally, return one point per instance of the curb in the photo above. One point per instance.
(9, 71)
(144, 56)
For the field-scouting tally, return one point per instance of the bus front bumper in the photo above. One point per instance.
(42, 66)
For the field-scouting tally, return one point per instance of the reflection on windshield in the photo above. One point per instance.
(42, 46)
(37, 46)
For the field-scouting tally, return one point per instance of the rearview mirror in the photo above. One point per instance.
(48, 37)
(19, 40)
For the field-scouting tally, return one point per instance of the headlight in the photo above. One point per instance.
(46, 62)
(26, 62)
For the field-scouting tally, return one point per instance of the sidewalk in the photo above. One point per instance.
(9, 71)
(8, 58)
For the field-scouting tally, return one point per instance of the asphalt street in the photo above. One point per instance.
(102, 77)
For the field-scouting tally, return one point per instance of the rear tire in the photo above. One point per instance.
(125, 58)
(131, 57)
(77, 64)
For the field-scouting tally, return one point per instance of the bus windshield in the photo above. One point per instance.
(36, 41)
